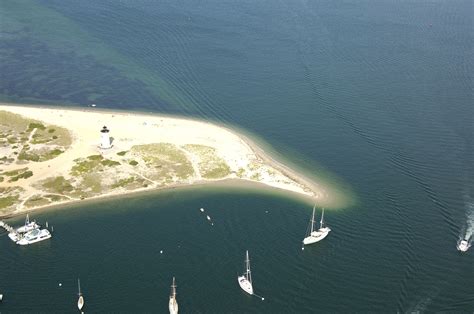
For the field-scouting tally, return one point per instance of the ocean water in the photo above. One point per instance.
(375, 97)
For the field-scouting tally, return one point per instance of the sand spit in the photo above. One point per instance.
(51, 156)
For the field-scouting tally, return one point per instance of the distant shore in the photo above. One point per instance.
(149, 152)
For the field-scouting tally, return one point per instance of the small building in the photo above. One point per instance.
(105, 141)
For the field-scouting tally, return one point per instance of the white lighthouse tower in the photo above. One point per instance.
(105, 138)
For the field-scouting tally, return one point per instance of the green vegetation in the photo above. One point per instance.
(109, 163)
(13, 121)
(14, 172)
(95, 157)
(122, 153)
(55, 198)
(164, 161)
(93, 163)
(57, 185)
(240, 172)
(37, 200)
(211, 165)
(35, 125)
(23, 175)
(123, 182)
(26, 155)
(92, 183)
(8, 201)
(1, 179)
(133, 162)
(84, 166)
(51, 130)
(12, 140)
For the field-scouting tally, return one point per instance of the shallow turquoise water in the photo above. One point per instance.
(379, 93)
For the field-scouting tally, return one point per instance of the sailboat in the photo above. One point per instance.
(80, 301)
(245, 281)
(173, 304)
(316, 235)
(29, 225)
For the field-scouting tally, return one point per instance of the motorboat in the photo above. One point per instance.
(34, 236)
(463, 245)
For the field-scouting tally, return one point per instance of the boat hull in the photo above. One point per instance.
(463, 246)
(173, 306)
(42, 235)
(14, 236)
(316, 236)
(245, 284)
(80, 303)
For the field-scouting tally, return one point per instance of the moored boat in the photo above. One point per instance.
(173, 304)
(34, 236)
(80, 300)
(245, 280)
(29, 225)
(316, 235)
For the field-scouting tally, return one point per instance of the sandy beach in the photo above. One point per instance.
(205, 153)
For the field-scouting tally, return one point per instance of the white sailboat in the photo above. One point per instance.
(80, 301)
(173, 304)
(29, 225)
(316, 235)
(245, 281)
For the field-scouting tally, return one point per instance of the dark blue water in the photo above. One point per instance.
(376, 93)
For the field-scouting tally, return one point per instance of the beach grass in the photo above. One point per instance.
(164, 161)
(211, 166)
(57, 185)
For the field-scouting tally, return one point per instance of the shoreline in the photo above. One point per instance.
(302, 187)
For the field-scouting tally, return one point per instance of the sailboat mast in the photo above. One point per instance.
(79, 286)
(322, 219)
(173, 289)
(312, 219)
(247, 266)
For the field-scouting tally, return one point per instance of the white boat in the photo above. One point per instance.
(1, 297)
(29, 225)
(316, 235)
(17, 233)
(245, 281)
(34, 236)
(463, 245)
(80, 300)
(173, 304)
